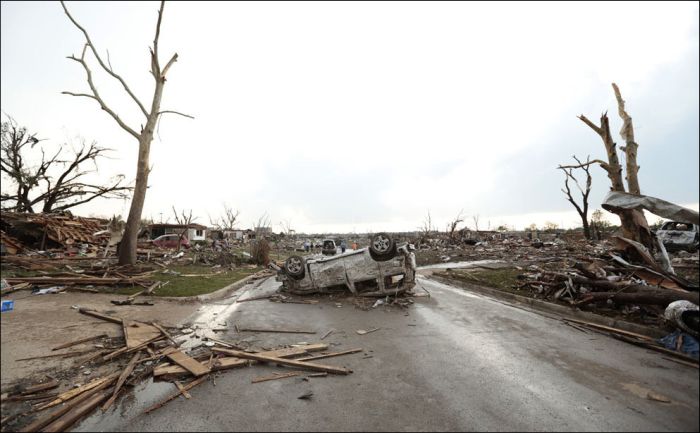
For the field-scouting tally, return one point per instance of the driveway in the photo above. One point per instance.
(454, 361)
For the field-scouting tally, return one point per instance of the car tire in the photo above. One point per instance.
(294, 267)
(382, 247)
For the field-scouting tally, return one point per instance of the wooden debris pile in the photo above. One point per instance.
(52, 231)
(626, 277)
(150, 350)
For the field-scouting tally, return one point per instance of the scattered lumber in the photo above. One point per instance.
(55, 355)
(329, 355)
(275, 376)
(77, 412)
(84, 340)
(188, 363)
(122, 378)
(292, 363)
(77, 391)
(53, 383)
(177, 394)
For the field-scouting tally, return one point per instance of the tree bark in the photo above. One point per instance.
(127, 249)
(654, 297)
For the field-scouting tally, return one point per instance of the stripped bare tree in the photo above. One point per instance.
(582, 209)
(227, 221)
(144, 136)
(633, 222)
(260, 247)
(476, 222)
(183, 219)
(427, 228)
(452, 226)
(57, 183)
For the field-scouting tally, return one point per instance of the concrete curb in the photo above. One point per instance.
(218, 294)
(559, 310)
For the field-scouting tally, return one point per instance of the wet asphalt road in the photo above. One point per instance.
(454, 361)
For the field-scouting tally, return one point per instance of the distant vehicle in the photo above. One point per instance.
(171, 241)
(384, 268)
(679, 236)
(329, 247)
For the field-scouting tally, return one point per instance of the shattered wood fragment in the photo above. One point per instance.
(292, 363)
(317, 375)
(329, 355)
(53, 383)
(608, 328)
(84, 340)
(329, 332)
(219, 365)
(122, 378)
(161, 329)
(363, 332)
(182, 389)
(188, 363)
(30, 397)
(275, 376)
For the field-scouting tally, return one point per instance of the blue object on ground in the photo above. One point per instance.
(689, 346)
(8, 305)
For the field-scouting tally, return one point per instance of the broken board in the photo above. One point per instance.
(137, 333)
(188, 363)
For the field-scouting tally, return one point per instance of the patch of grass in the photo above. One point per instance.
(502, 279)
(202, 280)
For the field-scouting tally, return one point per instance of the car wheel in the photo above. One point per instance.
(294, 266)
(382, 247)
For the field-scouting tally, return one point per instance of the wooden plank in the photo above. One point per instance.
(220, 364)
(161, 329)
(77, 391)
(122, 378)
(29, 397)
(329, 355)
(290, 362)
(608, 328)
(188, 363)
(100, 315)
(77, 412)
(137, 333)
(330, 331)
(276, 376)
(84, 340)
(232, 362)
(283, 331)
(53, 383)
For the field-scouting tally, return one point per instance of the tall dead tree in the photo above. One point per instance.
(633, 222)
(144, 136)
(57, 183)
(452, 226)
(583, 208)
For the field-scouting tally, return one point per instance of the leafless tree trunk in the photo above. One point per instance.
(260, 247)
(427, 228)
(633, 222)
(583, 208)
(184, 220)
(56, 190)
(476, 222)
(127, 250)
(452, 226)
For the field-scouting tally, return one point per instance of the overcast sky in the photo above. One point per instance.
(365, 116)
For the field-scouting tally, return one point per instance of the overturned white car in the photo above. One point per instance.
(384, 268)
